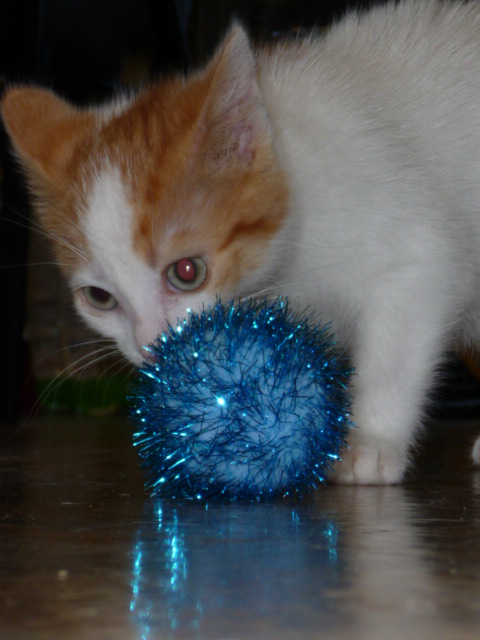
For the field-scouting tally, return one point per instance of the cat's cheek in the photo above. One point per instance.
(114, 326)
(109, 324)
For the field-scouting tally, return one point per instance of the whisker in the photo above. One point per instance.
(271, 291)
(53, 263)
(105, 342)
(70, 372)
(31, 223)
(73, 368)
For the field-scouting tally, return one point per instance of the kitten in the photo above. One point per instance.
(342, 171)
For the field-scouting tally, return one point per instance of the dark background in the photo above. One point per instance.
(87, 50)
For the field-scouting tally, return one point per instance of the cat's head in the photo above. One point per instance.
(159, 202)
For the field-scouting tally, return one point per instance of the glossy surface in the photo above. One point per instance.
(85, 553)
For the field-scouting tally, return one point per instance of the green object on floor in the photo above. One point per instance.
(93, 396)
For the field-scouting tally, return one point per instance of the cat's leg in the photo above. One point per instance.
(397, 352)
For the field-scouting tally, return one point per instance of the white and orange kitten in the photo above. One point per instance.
(343, 172)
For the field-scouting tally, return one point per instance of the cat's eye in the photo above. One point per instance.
(99, 298)
(187, 274)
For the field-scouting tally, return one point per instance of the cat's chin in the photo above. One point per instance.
(135, 357)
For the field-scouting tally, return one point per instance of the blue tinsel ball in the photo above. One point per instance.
(245, 400)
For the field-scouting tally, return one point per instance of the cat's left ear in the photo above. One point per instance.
(45, 131)
(234, 118)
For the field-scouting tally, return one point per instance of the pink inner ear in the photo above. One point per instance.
(237, 126)
(235, 120)
(244, 135)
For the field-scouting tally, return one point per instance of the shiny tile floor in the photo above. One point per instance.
(86, 554)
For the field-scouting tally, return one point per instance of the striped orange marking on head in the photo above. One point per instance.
(153, 143)
(262, 226)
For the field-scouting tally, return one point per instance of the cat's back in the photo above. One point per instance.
(411, 37)
(399, 84)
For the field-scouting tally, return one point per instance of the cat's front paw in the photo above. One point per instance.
(371, 463)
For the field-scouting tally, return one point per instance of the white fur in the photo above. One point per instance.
(108, 230)
(143, 309)
(377, 127)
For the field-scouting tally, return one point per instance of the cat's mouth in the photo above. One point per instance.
(147, 355)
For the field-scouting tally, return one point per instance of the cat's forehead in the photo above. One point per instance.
(121, 224)
(145, 128)
(108, 215)
(139, 160)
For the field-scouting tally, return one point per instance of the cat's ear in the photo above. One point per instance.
(234, 118)
(44, 130)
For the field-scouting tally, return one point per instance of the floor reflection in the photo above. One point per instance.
(86, 553)
(335, 564)
(199, 566)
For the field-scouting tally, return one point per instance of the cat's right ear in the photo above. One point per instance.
(234, 118)
(45, 131)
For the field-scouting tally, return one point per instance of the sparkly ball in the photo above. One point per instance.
(243, 401)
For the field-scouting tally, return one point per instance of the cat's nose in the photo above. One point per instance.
(144, 338)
